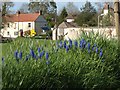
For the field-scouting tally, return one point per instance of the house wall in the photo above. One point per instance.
(40, 22)
(105, 11)
(70, 20)
(13, 28)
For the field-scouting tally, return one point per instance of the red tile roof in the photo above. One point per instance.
(22, 17)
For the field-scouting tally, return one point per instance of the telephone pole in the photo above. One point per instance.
(117, 17)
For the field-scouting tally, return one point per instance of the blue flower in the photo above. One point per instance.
(27, 57)
(40, 55)
(96, 50)
(70, 43)
(101, 53)
(76, 44)
(94, 47)
(60, 45)
(3, 60)
(39, 50)
(32, 53)
(47, 62)
(64, 44)
(47, 56)
(67, 48)
(20, 55)
(16, 54)
(82, 43)
(88, 46)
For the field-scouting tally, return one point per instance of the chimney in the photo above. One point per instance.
(41, 12)
(106, 5)
(18, 12)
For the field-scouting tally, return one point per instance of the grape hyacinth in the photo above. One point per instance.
(40, 55)
(82, 43)
(2, 60)
(16, 54)
(27, 57)
(39, 50)
(94, 47)
(32, 53)
(76, 44)
(88, 46)
(47, 56)
(101, 53)
(96, 50)
(60, 45)
(64, 44)
(70, 43)
(20, 55)
(67, 48)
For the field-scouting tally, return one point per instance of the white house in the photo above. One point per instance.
(68, 29)
(71, 30)
(18, 23)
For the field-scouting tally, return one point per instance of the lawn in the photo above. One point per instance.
(89, 62)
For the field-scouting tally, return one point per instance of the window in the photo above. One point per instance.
(8, 25)
(29, 24)
(15, 33)
(8, 33)
(15, 26)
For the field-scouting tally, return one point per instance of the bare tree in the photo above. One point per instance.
(72, 9)
(24, 8)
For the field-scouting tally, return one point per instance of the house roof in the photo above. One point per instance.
(22, 17)
(69, 17)
(67, 25)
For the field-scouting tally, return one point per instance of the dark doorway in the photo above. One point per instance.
(21, 32)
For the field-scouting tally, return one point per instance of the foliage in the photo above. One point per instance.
(44, 6)
(72, 9)
(24, 8)
(62, 16)
(89, 63)
(6, 10)
(107, 19)
(87, 16)
(6, 7)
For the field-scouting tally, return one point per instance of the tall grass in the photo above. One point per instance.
(76, 64)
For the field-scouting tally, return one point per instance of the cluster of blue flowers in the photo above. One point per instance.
(82, 45)
(67, 45)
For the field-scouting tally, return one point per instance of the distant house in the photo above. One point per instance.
(107, 9)
(68, 28)
(18, 23)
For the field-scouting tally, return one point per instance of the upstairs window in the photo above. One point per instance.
(29, 24)
(8, 25)
(8, 33)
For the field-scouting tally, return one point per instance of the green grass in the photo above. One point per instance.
(76, 68)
